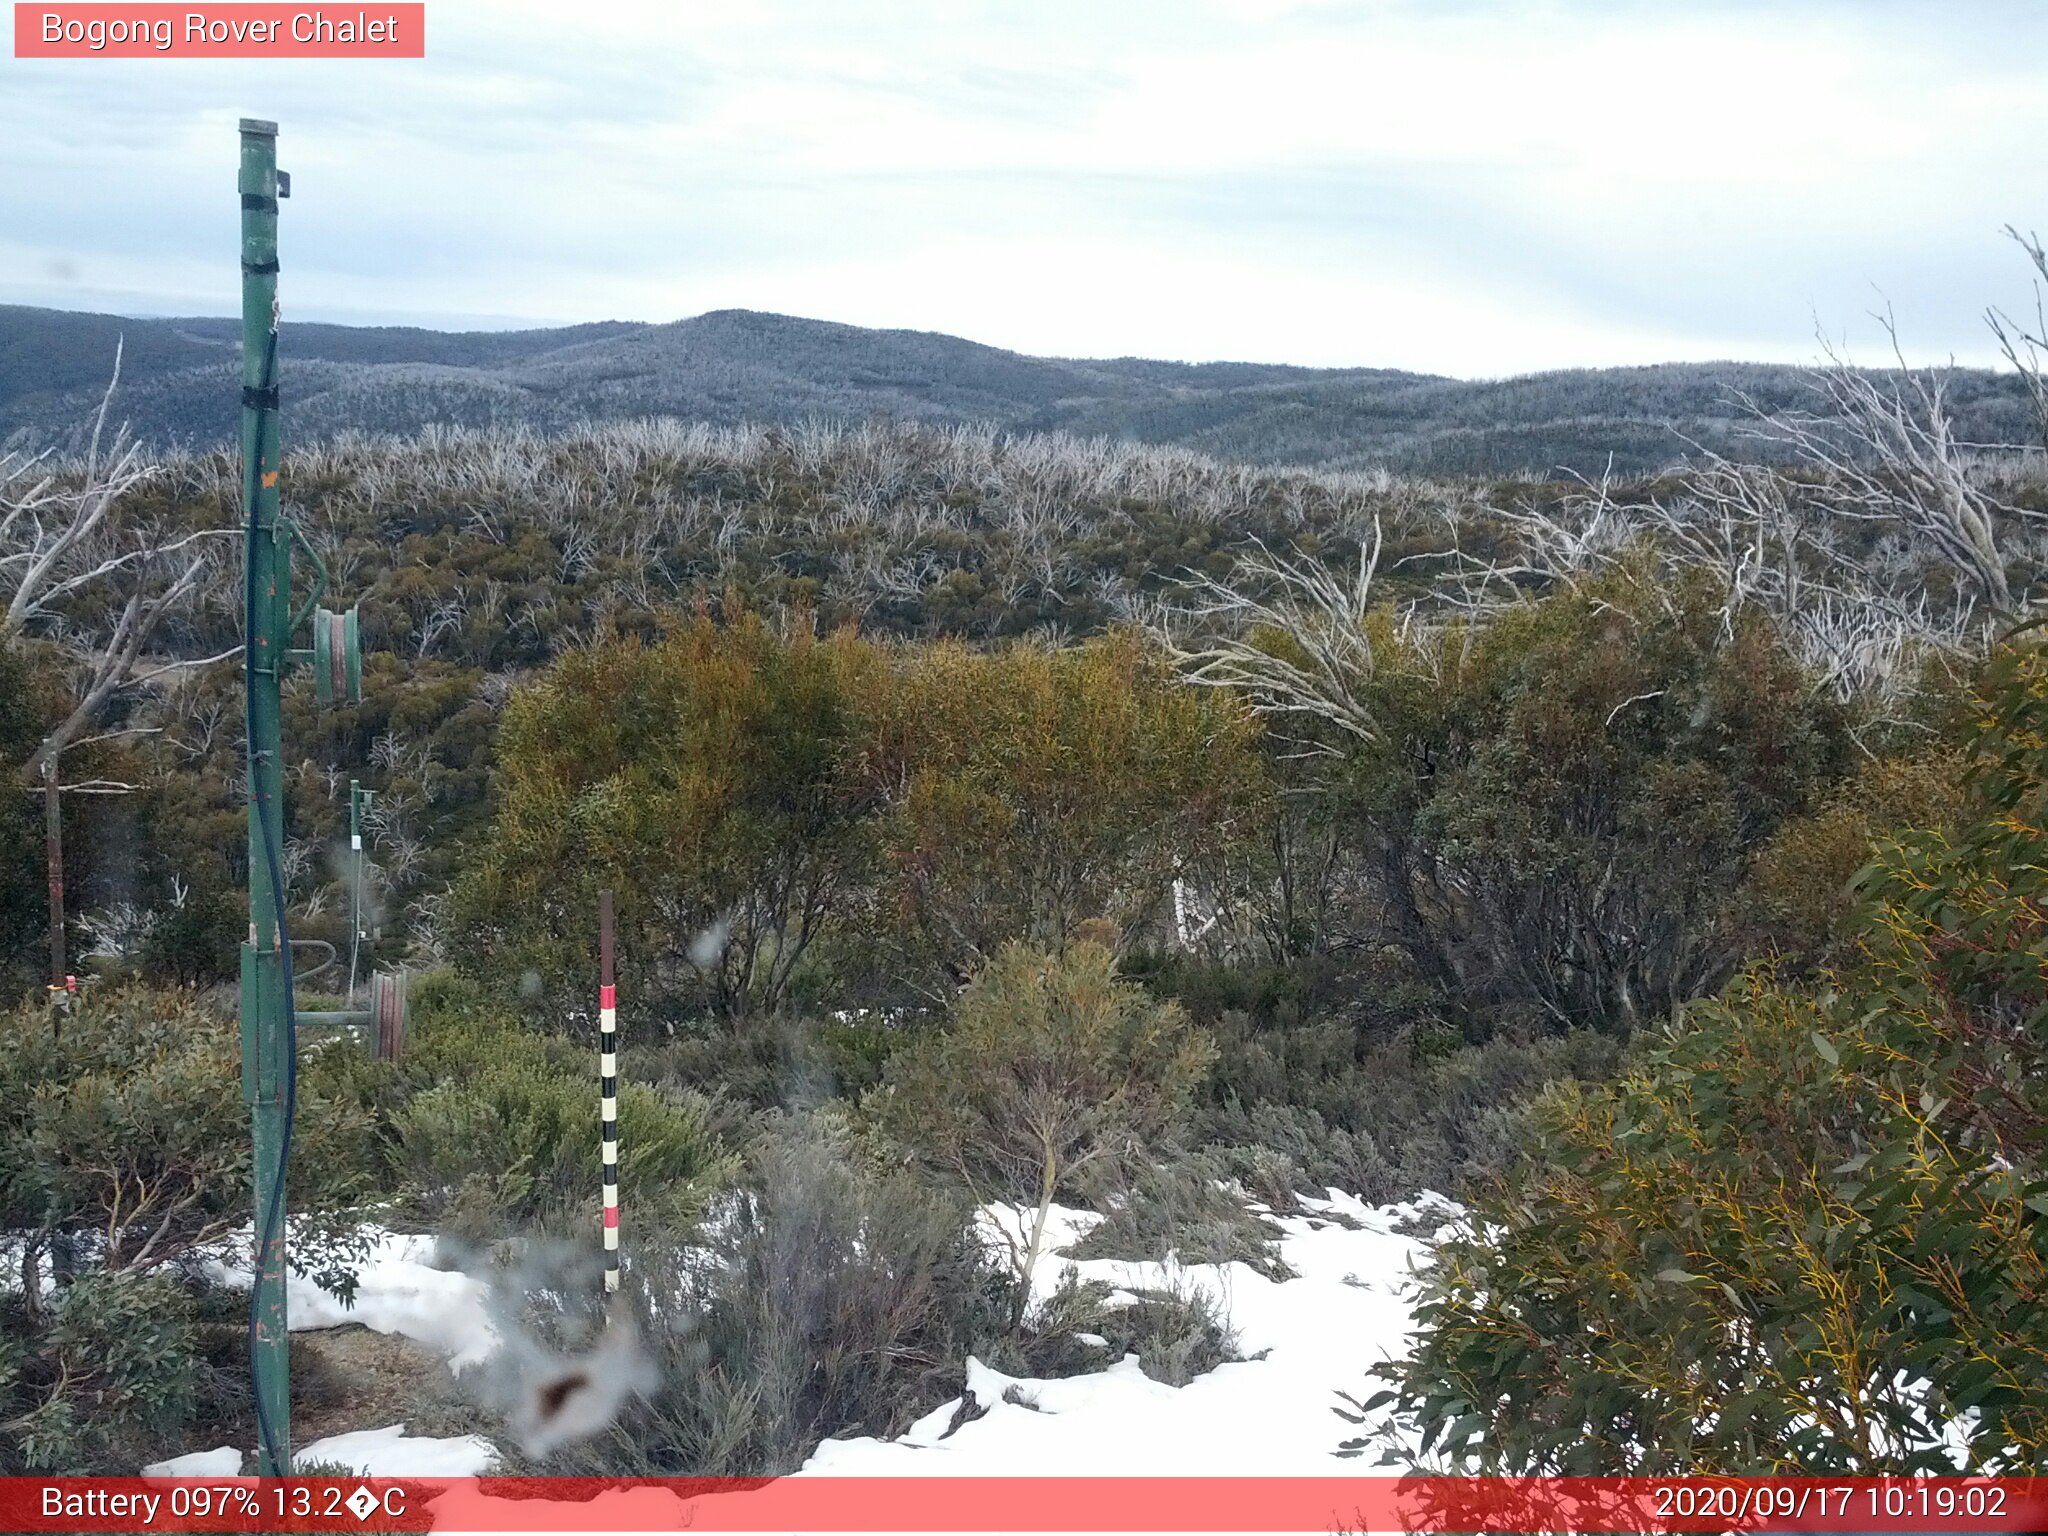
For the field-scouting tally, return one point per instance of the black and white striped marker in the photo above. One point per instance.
(608, 1088)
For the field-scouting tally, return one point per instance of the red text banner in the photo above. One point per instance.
(921, 1504)
(234, 31)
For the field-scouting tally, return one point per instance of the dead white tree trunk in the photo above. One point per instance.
(61, 541)
(1886, 450)
(1288, 634)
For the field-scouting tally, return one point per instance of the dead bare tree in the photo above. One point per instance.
(1885, 449)
(1290, 634)
(446, 616)
(2026, 346)
(61, 542)
(58, 540)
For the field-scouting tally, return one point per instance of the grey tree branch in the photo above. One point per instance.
(59, 539)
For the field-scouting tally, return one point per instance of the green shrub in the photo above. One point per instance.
(793, 822)
(1550, 814)
(133, 1127)
(1379, 1118)
(1809, 1229)
(367, 1092)
(790, 1061)
(110, 1368)
(1186, 1206)
(506, 1133)
(1800, 887)
(1029, 790)
(198, 940)
(1376, 992)
(24, 889)
(1052, 1067)
(830, 1297)
(124, 1162)
(710, 779)
(457, 1022)
(1178, 1332)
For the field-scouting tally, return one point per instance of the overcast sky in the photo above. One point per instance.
(1465, 188)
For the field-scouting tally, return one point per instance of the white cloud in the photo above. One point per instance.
(1455, 186)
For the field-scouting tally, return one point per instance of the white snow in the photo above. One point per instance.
(1316, 1335)
(1005, 1229)
(1306, 1339)
(398, 1290)
(221, 1461)
(387, 1452)
(1320, 1333)
(391, 1452)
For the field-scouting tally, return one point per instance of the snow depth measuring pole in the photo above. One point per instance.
(608, 1085)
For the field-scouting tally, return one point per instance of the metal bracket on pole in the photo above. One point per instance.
(382, 1025)
(337, 657)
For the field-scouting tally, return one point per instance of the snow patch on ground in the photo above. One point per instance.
(398, 1290)
(391, 1452)
(387, 1452)
(1347, 1309)
(222, 1461)
(1320, 1333)
(1005, 1230)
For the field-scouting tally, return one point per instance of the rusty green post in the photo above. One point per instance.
(267, 1044)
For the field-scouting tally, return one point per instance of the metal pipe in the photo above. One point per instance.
(267, 1047)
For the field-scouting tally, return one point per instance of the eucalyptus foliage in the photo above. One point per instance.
(1808, 1229)
(1053, 1067)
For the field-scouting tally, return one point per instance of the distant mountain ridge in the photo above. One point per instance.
(179, 385)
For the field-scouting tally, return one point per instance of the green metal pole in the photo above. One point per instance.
(266, 1032)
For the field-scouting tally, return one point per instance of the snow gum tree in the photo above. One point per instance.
(1029, 790)
(707, 778)
(783, 813)
(1546, 811)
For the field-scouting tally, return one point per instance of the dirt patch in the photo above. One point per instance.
(353, 1378)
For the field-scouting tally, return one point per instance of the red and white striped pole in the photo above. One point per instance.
(608, 1086)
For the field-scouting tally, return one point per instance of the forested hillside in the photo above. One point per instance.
(738, 366)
